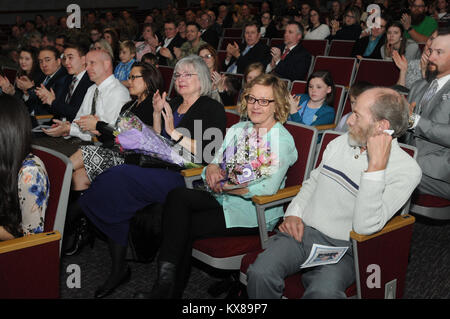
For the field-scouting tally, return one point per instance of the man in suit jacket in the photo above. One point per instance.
(172, 39)
(239, 56)
(209, 34)
(291, 60)
(430, 122)
(67, 104)
(55, 77)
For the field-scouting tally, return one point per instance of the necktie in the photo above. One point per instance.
(428, 95)
(94, 102)
(47, 78)
(286, 52)
(71, 89)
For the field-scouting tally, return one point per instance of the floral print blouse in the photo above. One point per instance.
(34, 191)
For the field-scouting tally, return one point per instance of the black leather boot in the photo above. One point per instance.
(120, 272)
(164, 287)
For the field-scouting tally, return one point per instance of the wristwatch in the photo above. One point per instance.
(409, 29)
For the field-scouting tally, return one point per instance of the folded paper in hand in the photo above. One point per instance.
(324, 255)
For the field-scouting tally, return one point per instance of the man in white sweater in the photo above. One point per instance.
(363, 180)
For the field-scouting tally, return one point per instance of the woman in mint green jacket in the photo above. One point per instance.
(262, 150)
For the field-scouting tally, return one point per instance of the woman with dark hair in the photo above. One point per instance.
(396, 41)
(112, 37)
(314, 107)
(268, 27)
(24, 184)
(193, 120)
(29, 74)
(90, 161)
(316, 29)
(351, 28)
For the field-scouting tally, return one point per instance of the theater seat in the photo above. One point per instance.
(430, 206)
(29, 266)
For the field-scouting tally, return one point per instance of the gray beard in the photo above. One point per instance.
(354, 143)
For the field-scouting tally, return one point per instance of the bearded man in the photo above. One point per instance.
(418, 26)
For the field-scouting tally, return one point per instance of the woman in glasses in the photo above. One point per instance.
(351, 28)
(192, 120)
(225, 209)
(90, 161)
(316, 29)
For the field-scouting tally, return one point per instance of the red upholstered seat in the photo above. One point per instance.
(342, 69)
(430, 201)
(315, 47)
(377, 72)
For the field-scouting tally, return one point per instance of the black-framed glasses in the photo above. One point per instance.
(252, 100)
(349, 16)
(134, 77)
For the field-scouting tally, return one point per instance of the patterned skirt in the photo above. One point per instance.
(97, 159)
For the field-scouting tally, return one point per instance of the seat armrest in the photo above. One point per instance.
(192, 172)
(28, 241)
(325, 127)
(284, 193)
(395, 223)
(230, 107)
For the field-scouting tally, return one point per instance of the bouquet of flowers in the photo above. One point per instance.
(133, 135)
(247, 159)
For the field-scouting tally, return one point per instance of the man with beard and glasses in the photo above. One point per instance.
(430, 122)
(363, 180)
(418, 26)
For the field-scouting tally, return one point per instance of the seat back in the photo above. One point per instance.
(377, 72)
(225, 41)
(221, 56)
(233, 32)
(315, 47)
(59, 170)
(276, 42)
(327, 137)
(298, 87)
(342, 69)
(232, 117)
(167, 75)
(342, 48)
(305, 138)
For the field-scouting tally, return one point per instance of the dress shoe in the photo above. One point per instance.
(164, 287)
(82, 236)
(112, 283)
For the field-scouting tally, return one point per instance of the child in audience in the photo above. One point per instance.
(355, 90)
(150, 58)
(313, 108)
(127, 57)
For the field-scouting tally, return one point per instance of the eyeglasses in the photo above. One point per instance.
(183, 75)
(349, 16)
(134, 77)
(252, 100)
(207, 56)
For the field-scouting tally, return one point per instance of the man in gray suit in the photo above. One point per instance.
(430, 122)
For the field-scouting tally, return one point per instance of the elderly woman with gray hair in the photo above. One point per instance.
(118, 193)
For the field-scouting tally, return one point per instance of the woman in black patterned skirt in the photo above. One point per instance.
(90, 161)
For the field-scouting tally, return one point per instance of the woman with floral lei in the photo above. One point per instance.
(24, 184)
(253, 160)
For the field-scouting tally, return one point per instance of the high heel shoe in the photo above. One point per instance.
(83, 236)
(112, 283)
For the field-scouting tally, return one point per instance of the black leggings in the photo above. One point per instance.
(188, 215)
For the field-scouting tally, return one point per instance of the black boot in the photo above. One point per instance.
(120, 272)
(164, 287)
(77, 231)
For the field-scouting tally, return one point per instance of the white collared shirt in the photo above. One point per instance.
(112, 96)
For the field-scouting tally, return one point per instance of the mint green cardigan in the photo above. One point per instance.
(239, 211)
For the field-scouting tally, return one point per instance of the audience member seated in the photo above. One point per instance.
(25, 187)
(226, 210)
(104, 45)
(191, 46)
(111, 36)
(28, 76)
(114, 196)
(209, 34)
(370, 43)
(243, 17)
(102, 101)
(335, 13)
(240, 55)
(291, 60)
(440, 11)
(350, 29)
(314, 107)
(209, 55)
(396, 41)
(127, 58)
(353, 93)
(150, 58)
(373, 192)
(412, 70)
(55, 78)
(417, 25)
(429, 125)
(149, 44)
(268, 28)
(316, 29)
(69, 101)
(172, 39)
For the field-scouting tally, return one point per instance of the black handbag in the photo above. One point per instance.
(148, 161)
